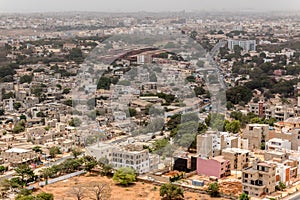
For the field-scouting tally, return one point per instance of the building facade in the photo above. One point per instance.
(257, 135)
(247, 45)
(239, 158)
(216, 166)
(259, 179)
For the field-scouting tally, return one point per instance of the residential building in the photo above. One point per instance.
(258, 108)
(278, 144)
(216, 166)
(16, 156)
(247, 45)
(275, 154)
(140, 160)
(259, 179)
(239, 158)
(185, 163)
(257, 134)
(210, 144)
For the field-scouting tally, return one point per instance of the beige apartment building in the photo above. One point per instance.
(256, 135)
(259, 179)
(288, 130)
(16, 156)
(239, 158)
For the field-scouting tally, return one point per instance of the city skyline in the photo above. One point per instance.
(16, 6)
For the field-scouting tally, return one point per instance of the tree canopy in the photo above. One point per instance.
(170, 191)
(125, 175)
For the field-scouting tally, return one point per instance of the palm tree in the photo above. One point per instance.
(47, 173)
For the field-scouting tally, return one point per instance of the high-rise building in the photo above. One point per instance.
(247, 45)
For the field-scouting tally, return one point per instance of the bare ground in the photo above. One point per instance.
(64, 190)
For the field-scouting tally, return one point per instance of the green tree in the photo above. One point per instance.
(17, 105)
(23, 117)
(68, 102)
(159, 144)
(199, 91)
(281, 186)
(244, 196)
(53, 151)
(213, 190)
(4, 188)
(26, 79)
(104, 83)
(44, 196)
(20, 197)
(19, 127)
(106, 169)
(239, 93)
(47, 173)
(262, 145)
(124, 175)
(2, 169)
(88, 166)
(233, 127)
(193, 34)
(170, 191)
(25, 194)
(191, 78)
(25, 173)
(40, 114)
(76, 55)
(132, 112)
(66, 91)
(75, 122)
(8, 95)
(76, 152)
(6, 71)
(37, 149)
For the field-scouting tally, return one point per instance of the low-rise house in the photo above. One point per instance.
(216, 166)
(273, 154)
(16, 156)
(278, 144)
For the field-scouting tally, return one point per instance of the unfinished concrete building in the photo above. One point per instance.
(210, 144)
(259, 179)
(239, 158)
(257, 135)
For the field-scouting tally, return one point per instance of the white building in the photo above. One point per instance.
(142, 161)
(247, 45)
(278, 144)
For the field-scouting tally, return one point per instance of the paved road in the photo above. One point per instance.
(60, 160)
(295, 196)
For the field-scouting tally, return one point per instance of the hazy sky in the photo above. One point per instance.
(145, 5)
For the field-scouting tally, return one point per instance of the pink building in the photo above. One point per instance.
(216, 166)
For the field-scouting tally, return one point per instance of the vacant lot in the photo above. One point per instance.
(64, 190)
